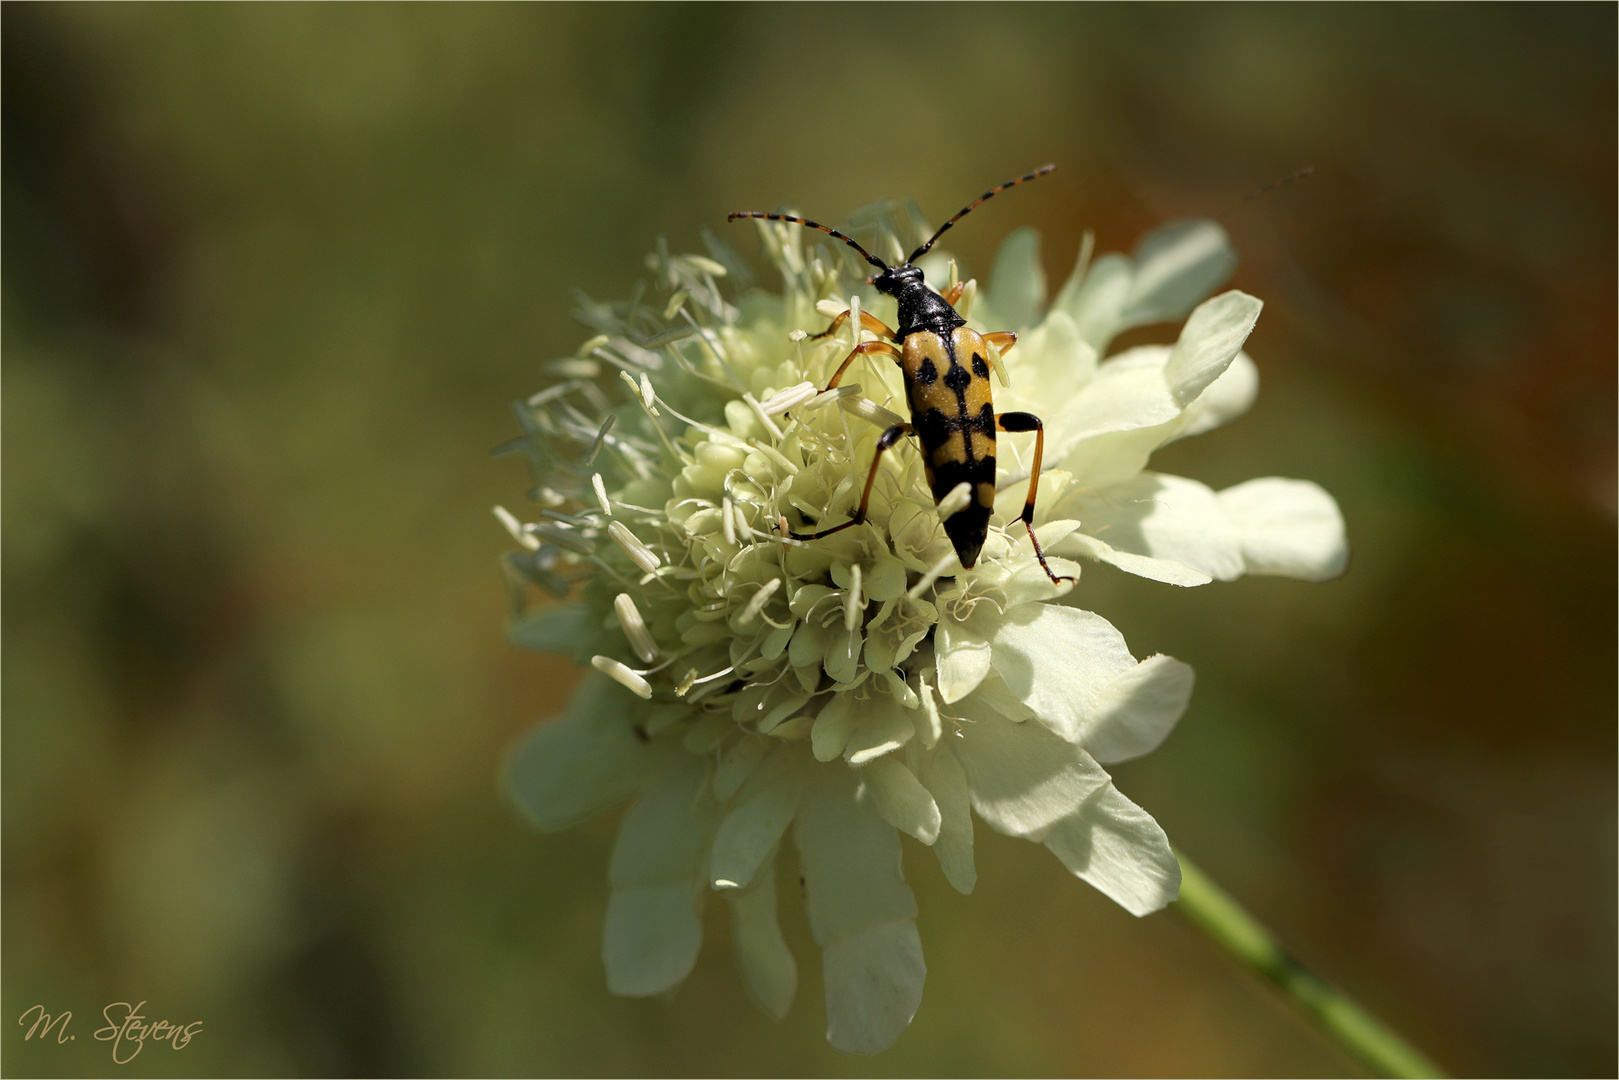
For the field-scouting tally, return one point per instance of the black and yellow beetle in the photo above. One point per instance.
(947, 381)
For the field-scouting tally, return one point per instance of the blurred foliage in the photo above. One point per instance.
(272, 272)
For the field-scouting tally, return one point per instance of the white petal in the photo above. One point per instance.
(1128, 392)
(861, 913)
(1048, 368)
(1017, 284)
(874, 983)
(1227, 398)
(1165, 570)
(1024, 778)
(1288, 527)
(653, 930)
(1135, 712)
(1057, 660)
(1165, 517)
(962, 657)
(652, 938)
(1096, 303)
(768, 969)
(1176, 266)
(1209, 342)
(882, 725)
(571, 768)
(737, 765)
(902, 800)
(750, 832)
(944, 778)
(1117, 847)
(833, 726)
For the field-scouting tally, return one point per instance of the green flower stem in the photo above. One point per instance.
(1212, 910)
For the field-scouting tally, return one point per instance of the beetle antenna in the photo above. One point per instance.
(923, 250)
(868, 256)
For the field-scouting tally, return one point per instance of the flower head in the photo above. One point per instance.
(847, 689)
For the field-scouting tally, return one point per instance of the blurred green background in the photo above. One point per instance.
(272, 274)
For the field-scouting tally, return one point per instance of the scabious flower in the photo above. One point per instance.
(848, 689)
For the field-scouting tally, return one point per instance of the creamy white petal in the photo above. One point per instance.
(653, 929)
(1164, 517)
(861, 913)
(874, 981)
(833, 726)
(1129, 392)
(768, 968)
(1136, 711)
(1209, 342)
(572, 768)
(1288, 527)
(1017, 284)
(942, 774)
(1024, 778)
(1057, 660)
(753, 827)
(1117, 847)
(882, 725)
(1227, 398)
(737, 765)
(1096, 300)
(1165, 570)
(962, 657)
(901, 799)
(1176, 265)
(1049, 366)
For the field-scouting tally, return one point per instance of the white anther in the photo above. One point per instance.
(706, 265)
(515, 527)
(955, 502)
(996, 364)
(757, 602)
(592, 345)
(648, 397)
(728, 520)
(837, 393)
(854, 603)
(764, 417)
(869, 410)
(790, 398)
(934, 574)
(672, 308)
(622, 675)
(854, 317)
(629, 617)
(830, 308)
(639, 553)
(601, 493)
(776, 456)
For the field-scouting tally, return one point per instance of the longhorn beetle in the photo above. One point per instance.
(947, 382)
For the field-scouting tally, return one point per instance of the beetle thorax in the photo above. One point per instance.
(920, 308)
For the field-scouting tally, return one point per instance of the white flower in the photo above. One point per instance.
(854, 687)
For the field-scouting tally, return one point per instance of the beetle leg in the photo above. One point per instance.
(952, 295)
(1022, 421)
(884, 441)
(869, 321)
(1003, 342)
(865, 348)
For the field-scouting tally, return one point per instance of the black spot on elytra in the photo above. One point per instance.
(980, 368)
(957, 378)
(984, 421)
(927, 373)
(933, 428)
